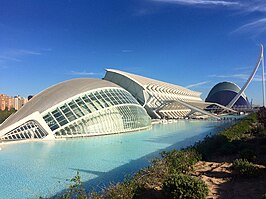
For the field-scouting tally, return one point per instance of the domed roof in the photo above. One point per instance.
(225, 86)
(224, 92)
(56, 94)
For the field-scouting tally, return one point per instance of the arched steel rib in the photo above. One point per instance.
(233, 101)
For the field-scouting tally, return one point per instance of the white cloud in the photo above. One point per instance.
(255, 27)
(237, 76)
(258, 26)
(16, 54)
(84, 73)
(254, 5)
(28, 52)
(7, 58)
(241, 68)
(126, 51)
(20, 52)
(245, 6)
(240, 5)
(197, 84)
(201, 2)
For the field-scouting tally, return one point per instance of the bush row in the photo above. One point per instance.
(172, 171)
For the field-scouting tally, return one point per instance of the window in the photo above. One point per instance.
(50, 122)
(59, 117)
(75, 109)
(89, 103)
(83, 106)
(68, 113)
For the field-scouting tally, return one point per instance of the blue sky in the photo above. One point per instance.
(192, 43)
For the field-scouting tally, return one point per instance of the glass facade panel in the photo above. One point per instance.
(89, 103)
(83, 106)
(101, 99)
(95, 101)
(98, 112)
(68, 113)
(106, 98)
(113, 120)
(28, 130)
(75, 109)
(111, 96)
(60, 118)
(50, 122)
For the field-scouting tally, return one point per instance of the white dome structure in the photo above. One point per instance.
(76, 108)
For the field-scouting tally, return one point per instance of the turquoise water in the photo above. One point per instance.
(29, 170)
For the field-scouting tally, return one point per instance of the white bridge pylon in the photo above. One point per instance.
(260, 62)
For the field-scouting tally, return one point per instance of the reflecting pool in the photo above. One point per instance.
(33, 169)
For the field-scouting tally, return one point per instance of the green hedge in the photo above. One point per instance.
(185, 187)
(243, 167)
(181, 161)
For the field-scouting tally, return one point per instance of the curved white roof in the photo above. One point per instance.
(56, 94)
(144, 81)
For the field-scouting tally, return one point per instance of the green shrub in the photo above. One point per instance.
(211, 146)
(262, 116)
(76, 189)
(252, 117)
(185, 187)
(125, 190)
(228, 141)
(237, 132)
(241, 129)
(153, 175)
(259, 129)
(228, 148)
(248, 154)
(245, 168)
(181, 161)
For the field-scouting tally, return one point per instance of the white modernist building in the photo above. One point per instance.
(160, 99)
(121, 102)
(74, 108)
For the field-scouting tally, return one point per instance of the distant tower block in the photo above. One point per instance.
(260, 61)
